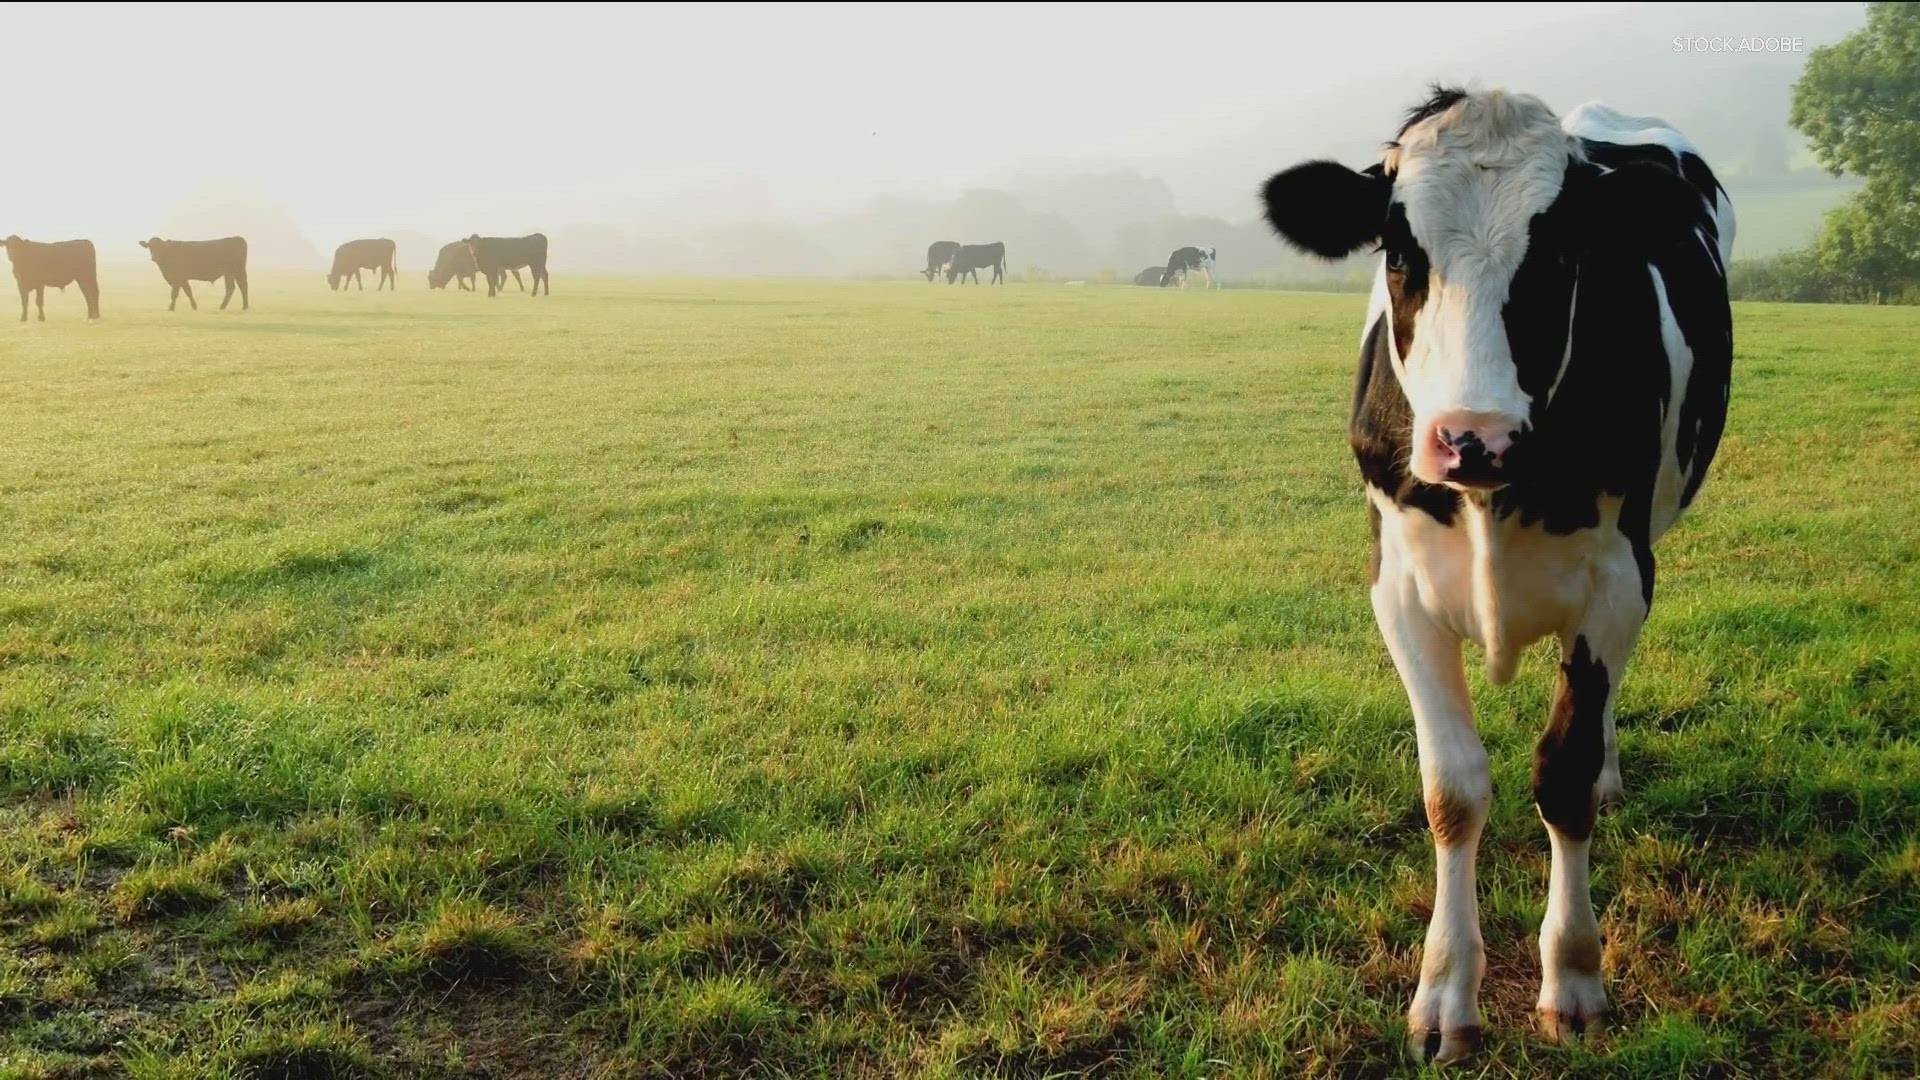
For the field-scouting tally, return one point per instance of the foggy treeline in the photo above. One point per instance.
(1075, 225)
(1090, 218)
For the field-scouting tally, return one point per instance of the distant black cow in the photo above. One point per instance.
(356, 255)
(456, 261)
(183, 262)
(1150, 276)
(1187, 259)
(495, 255)
(939, 254)
(36, 266)
(972, 258)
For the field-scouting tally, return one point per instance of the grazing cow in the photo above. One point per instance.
(183, 262)
(456, 261)
(1187, 259)
(356, 255)
(939, 254)
(972, 258)
(1543, 381)
(495, 255)
(60, 264)
(1150, 276)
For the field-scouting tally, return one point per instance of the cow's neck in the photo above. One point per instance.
(1527, 580)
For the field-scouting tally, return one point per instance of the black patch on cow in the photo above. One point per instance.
(1327, 209)
(1373, 559)
(1380, 430)
(1540, 303)
(1640, 207)
(1567, 762)
(1613, 155)
(1439, 99)
(1180, 262)
(1600, 433)
(1408, 271)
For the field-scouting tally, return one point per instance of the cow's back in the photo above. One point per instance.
(1612, 139)
(201, 260)
(509, 252)
(455, 258)
(58, 263)
(1689, 300)
(365, 253)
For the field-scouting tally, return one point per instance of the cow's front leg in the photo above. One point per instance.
(1444, 1022)
(1575, 770)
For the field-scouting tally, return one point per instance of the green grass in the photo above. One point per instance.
(870, 680)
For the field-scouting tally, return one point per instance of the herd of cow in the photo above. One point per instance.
(183, 262)
(955, 261)
(38, 265)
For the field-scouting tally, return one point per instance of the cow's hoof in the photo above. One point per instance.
(1432, 1045)
(1563, 1027)
(1575, 1008)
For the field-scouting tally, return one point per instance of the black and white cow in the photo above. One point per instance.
(1543, 380)
(1185, 260)
(939, 254)
(973, 258)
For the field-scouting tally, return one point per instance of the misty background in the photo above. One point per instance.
(824, 141)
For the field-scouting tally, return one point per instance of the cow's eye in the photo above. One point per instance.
(1396, 261)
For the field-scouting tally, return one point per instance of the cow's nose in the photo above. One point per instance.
(1467, 448)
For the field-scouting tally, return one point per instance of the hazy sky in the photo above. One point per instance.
(453, 117)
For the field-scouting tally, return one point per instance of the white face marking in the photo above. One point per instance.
(1471, 180)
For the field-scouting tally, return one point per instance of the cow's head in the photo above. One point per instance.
(333, 280)
(1483, 210)
(436, 279)
(153, 244)
(9, 242)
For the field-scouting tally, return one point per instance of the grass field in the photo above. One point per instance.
(871, 680)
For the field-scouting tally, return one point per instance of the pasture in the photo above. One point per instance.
(684, 679)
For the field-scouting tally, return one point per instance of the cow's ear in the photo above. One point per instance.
(143, 243)
(1638, 208)
(1328, 209)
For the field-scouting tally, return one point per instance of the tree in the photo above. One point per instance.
(1858, 103)
(1859, 108)
(1863, 246)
